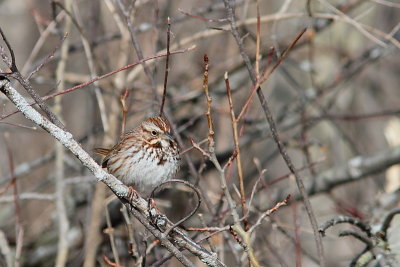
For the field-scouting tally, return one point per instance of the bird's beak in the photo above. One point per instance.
(169, 135)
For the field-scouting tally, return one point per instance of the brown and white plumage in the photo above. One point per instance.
(145, 156)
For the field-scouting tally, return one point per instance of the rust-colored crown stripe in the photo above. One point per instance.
(160, 123)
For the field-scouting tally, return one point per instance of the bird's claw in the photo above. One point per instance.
(132, 193)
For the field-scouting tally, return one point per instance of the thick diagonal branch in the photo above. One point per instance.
(139, 205)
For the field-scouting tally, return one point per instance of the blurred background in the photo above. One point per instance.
(335, 99)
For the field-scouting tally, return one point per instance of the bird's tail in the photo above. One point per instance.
(102, 151)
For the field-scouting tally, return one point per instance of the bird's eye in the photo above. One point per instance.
(153, 133)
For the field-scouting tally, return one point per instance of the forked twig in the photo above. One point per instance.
(269, 212)
(229, 5)
(265, 75)
(25, 83)
(237, 228)
(101, 77)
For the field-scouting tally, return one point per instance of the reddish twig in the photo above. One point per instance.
(25, 83)
(19, 125)
(254, 89)
(46, 59)
(267, 112)
(269, 212)
(122, 99)
(237, 150)
(230, 160)
(237, 238)
(297, 240)
(190, 148)
(7, 186)
(109, 262)
(209, 101)
(196, 146)
(200, 17)
(266, 75)
(101, 77)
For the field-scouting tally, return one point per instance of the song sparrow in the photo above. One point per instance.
(145, 156)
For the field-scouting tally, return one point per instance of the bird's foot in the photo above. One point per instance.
(157, 218)
(132, 193)
(153, 207)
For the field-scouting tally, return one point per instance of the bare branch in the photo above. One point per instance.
(271, 122)
(137, 205)
(166, 66)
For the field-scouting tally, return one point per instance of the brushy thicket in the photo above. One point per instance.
(328, 71)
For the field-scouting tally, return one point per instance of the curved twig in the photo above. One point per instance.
(356, 259)
(386, 223)
(358, 236)
(187, 216)
(345, 219)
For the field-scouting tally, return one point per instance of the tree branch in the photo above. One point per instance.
(138, 205)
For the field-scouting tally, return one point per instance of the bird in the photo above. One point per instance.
(144, 157)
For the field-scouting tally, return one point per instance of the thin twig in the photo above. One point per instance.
(101, 77)
(166, 67)
(237, 150)
(133, 249)
(367, 241)
(258, 35)
(92, 68)
(127, 11)
(110, 232)
(208, 112)
(137, 206)
(122, 99)
(187, 216)
(237, 228)
(230, 10)
(46, 59)
(60, 200)
(269, 212)
(39, 44)
(386, 222)
(19, 230)
(109, 262)
(25, 83)
(366, 228)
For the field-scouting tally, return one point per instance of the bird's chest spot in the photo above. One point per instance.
(156, 145)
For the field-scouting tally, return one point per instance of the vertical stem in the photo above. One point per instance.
(19, 230)
(237, 149)
(258, 41)
(208, 112)
(110, 232)
(166, 67)
(127, 11)
(63, 224)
